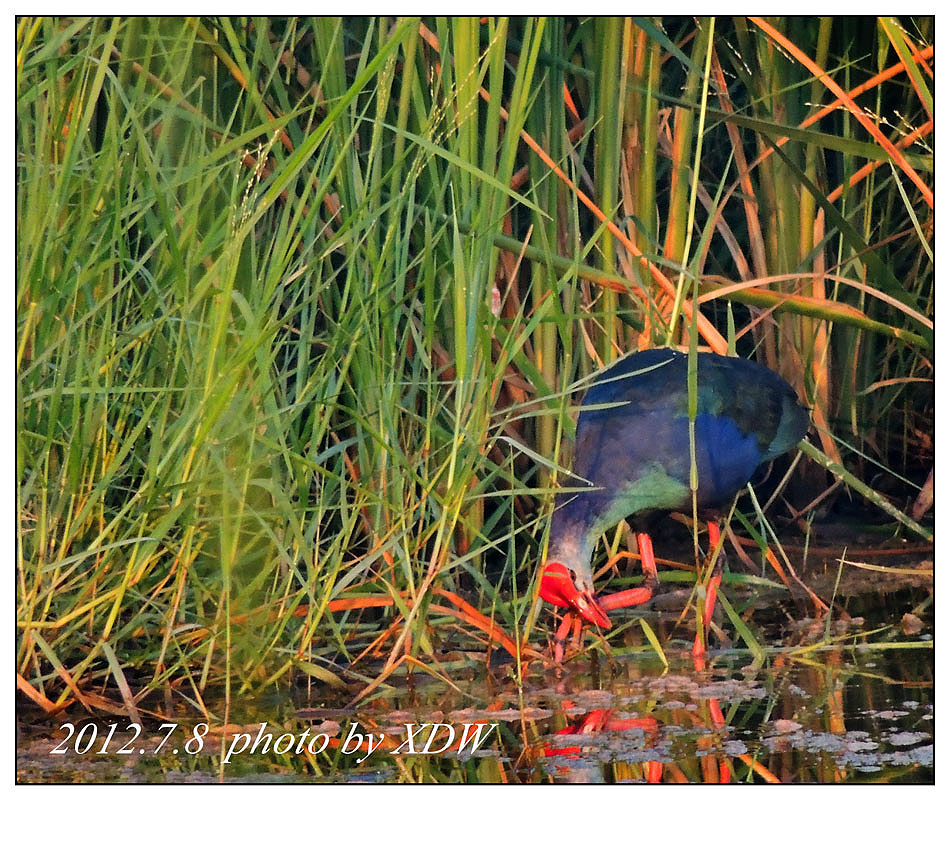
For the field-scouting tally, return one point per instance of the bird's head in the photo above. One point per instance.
(567, 581)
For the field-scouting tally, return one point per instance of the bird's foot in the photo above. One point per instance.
(642, 593)
(629, 597)
(607, 603)
(557, 587)
(570, 621)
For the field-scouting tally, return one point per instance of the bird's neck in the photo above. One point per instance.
(569, 542)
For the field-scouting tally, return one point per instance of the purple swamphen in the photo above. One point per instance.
(633, 448)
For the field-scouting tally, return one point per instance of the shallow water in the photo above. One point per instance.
(849, 700)
(858, 708)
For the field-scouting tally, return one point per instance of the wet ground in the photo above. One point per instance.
(844, 700)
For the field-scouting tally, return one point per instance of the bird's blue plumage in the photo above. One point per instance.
(633, 442)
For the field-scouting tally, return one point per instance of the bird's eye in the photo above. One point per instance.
(573, 576)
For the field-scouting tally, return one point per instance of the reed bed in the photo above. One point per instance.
(303, 306)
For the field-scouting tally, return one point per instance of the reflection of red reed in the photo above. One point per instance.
(603, 720)
(600, 720)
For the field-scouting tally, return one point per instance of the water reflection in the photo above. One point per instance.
(787, 721)
(816, 714)
(813, 712)
(848, 700)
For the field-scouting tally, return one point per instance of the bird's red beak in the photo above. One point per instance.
(557, 587)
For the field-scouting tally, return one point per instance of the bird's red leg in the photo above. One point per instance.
(578, 628)
(571, 619)
(620, 599)
(643, 593)
(712, 591)
(561, 637)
